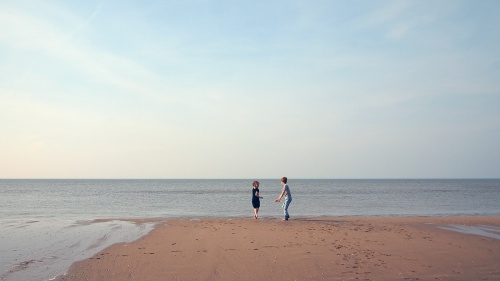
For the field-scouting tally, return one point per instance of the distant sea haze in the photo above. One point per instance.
(90, 199)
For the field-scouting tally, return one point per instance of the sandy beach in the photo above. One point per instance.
(423, 248)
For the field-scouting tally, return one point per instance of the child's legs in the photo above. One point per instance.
(285, 207)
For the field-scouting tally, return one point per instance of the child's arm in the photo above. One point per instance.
(281, 195)
(258, 195)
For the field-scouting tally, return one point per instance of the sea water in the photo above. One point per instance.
(90, 199)
(45, 225)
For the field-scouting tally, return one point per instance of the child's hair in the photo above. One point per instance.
(255, 183)
(284, 179)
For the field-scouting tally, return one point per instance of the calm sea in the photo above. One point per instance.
(90, 199)
(46, 224)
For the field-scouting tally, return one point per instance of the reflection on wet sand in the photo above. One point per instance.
(482, 230)
(42, 250)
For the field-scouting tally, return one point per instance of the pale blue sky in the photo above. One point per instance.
(249, 89)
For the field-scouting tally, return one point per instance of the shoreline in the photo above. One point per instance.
(41, 249)
(315, 248)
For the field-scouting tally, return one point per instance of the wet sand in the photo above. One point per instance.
(40, 250)
(424, 248)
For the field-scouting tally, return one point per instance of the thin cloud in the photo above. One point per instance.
(82, 25)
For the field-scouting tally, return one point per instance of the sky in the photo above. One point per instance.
(249, 89)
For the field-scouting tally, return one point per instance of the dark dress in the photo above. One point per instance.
(255, 199)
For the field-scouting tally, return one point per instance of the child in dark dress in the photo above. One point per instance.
(256, 199)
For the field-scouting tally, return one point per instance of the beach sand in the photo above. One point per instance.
(304, 249)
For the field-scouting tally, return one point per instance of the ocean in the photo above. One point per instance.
(46, 224)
